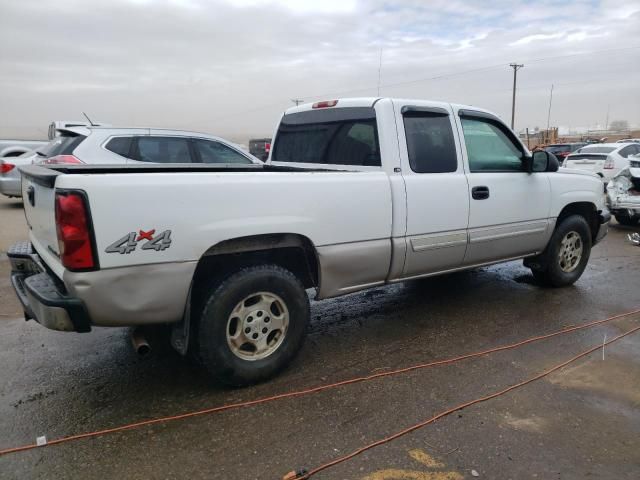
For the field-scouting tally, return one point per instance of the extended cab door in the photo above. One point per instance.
(509, 208)
(437, 193)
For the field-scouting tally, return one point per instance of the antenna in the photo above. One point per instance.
(90, 122)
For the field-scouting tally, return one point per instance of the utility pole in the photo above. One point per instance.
(515, 67)
(549, 114)
(379, 71)
(606, 124)
(297, 101)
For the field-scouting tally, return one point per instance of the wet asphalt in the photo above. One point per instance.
(579, 423)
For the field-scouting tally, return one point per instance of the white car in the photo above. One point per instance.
(115, 146)
(10, 178)
(356, 193)
(629, 140)
(604, 159)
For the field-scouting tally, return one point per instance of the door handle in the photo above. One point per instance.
(480, 193)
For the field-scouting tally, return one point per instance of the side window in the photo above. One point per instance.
(120, 146)
(163, 150)
(628, 150)
(215, 152)
(489, 149)
(430, 143)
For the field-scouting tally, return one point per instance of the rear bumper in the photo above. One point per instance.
(42, 296)
(604, 218)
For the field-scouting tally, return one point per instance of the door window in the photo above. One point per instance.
(215, 152)
(430, 143)
(489, 149)
(163, 150)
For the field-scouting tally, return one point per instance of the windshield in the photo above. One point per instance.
(63, 145)
(558, 148)
(597, 149)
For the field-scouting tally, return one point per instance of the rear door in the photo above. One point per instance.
(437, 193)
(509, 208)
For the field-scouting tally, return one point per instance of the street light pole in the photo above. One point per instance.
(515, 67)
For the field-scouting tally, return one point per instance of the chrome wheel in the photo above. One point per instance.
(257, 326)
(570, 252)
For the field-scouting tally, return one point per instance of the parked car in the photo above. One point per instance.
(604, 159)
(357, 193)
(629, 140)
(15, 148)
(10, 178)
(260, 148)
(109, 145)
(623, 193)
(561, 150)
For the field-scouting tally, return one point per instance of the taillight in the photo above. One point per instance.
(328, 103)
(609, 163)
(61, 159)
(72, 227)
(6, 167)
(267, 147)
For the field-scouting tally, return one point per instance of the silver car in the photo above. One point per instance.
(10, 178)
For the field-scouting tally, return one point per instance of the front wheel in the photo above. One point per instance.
(567, 253)
(253, 324)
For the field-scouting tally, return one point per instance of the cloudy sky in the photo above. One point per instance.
(230, 67)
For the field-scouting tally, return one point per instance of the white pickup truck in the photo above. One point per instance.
(356, 193)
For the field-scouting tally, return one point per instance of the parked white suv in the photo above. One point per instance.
(113, 146)
(604, 159)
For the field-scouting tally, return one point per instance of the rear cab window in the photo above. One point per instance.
(335, 136)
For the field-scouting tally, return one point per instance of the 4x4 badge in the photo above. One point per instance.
(129, 242)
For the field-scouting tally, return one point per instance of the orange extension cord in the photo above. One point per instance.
(311, 390)
(310, 473)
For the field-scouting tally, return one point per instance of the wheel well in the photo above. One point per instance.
(294, 252)
(584, 209)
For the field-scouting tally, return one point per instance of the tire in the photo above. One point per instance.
(626, 220)
(563, 266)
(268, 303)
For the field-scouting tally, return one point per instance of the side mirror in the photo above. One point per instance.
(543, 161)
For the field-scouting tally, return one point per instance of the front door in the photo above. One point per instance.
(509, 208)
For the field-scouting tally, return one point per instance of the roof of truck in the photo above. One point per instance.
(370, 101)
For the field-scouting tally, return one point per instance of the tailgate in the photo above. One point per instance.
(38, 194)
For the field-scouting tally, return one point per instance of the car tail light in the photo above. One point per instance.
(62, 159)
(6, 167)
(73, 229)
(267, 147)
(325, 104)
(609, 163)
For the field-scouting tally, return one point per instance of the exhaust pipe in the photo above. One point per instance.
(139, 342)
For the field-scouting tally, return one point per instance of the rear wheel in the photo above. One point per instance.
(628, 220)
(567, 253)
(253, 324)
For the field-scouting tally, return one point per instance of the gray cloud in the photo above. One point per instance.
(230, 67)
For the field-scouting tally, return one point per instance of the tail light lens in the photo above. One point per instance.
(62, 159)
(73, 229)
(267, 147)
(609, 164)
(6, 167)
